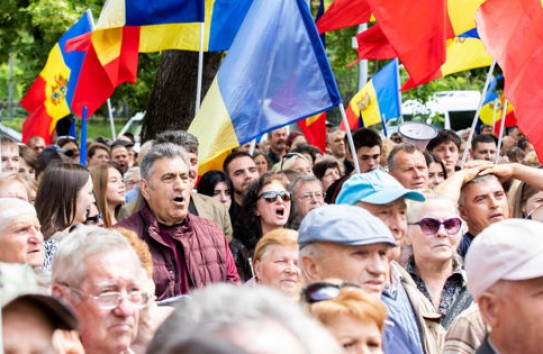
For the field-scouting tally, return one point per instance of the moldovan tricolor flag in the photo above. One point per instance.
(378, 101)
(49, 98)
(512, 32)
(275, 73)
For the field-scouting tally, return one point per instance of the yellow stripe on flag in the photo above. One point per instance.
(182, 36)
(465, 54)
(462, 14)
(213, 127)
(365, 101)
(113, 14)
(107, 43)
(56, 74)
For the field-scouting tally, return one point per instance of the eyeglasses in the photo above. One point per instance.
(369, 157)
(93, 220)
(64, 139)
(309, 196)
(112, 299)
(271, 196)
(322, 291)
(430, 226)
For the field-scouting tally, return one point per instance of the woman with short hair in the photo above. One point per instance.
(356, 319)
(276, 262)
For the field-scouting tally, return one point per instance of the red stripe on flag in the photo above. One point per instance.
(314, 129)
(97, 83)
(38, 122)
(344, 13)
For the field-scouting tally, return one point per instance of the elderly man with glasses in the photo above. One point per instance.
(98, 274)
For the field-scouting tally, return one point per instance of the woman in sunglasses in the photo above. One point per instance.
(434, 233)
(266, 207)
(353, 317)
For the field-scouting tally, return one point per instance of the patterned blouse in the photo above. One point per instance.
(454, 285)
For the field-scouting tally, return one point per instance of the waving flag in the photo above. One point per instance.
(378, 101)
(49, 98)
(513, 34)
(126, 28)
(344, 13)
(314, 129)
(464, 52)
(275, 73)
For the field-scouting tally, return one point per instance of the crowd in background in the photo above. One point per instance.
(136, 252)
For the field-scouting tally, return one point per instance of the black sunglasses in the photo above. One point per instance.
(271, 196)
(93, 220)
(430, 226)
(322, 291)
(288, 156)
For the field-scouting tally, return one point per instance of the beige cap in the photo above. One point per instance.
(508, 250)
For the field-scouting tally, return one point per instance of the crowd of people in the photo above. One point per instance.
(287, 249)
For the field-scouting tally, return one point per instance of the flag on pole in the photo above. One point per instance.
(512, 32)
(275, 73)
(492, 108)
(126, 28)
(378, 100)
(49, 98)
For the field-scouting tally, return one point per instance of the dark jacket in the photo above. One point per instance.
(205, 250)
(485, 348)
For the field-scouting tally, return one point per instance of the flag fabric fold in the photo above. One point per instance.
(344, 13)
(126, 28)
(50, 96)
(314, 129)
(275, 73)
(464, 52)
(512, 32)
(378, 101)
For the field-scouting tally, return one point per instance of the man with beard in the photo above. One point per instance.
(278, 144)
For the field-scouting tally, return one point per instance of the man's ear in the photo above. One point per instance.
(489, 308)
(144, 189)
(462, 213)
(310, 269)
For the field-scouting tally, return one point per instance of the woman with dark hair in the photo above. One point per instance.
(266, 207)
(524, 200)
(109, 191)
(28, 161)
(437, 172)
(327, 171)
(63, 200)
(216, 184)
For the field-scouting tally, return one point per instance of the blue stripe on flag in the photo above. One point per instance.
(385, 84)
(154, 12)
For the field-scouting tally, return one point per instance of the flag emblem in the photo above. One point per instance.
(58, 90)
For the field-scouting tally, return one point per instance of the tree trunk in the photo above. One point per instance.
(171, 103)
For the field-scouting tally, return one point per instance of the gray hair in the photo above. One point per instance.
(131, 171)
(205, 313)
(11, 209)
(406, 147)
(302, 180)
(159, 152)
(178, 137)
(414, 208)
(85, 241)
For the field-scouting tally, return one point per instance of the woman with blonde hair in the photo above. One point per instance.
(356, 319)
(276, 262)
(109, 191)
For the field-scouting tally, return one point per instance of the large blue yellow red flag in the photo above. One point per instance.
(126, 28)
(275, 73)
(378, 101)
(50, 96)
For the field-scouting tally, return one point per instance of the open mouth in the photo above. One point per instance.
(179, 200)
(280, 212)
